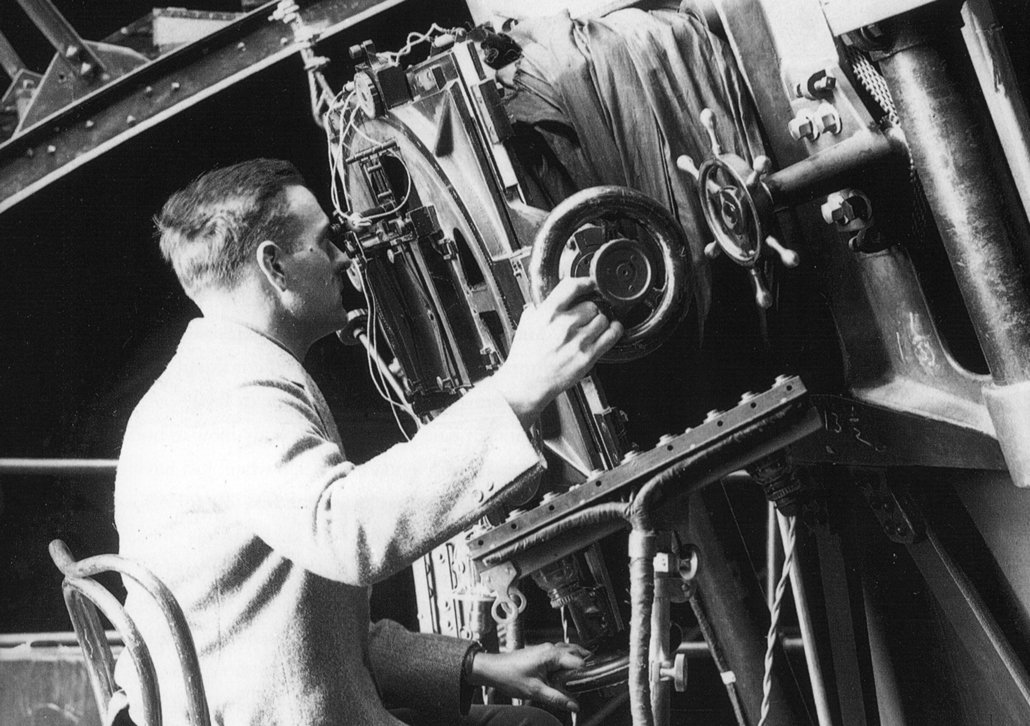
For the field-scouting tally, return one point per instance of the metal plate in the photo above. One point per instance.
(638, 467)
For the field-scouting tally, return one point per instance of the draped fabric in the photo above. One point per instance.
(615, 100)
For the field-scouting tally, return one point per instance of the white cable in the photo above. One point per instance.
(378, 377)
(414, 39)
(774, 619)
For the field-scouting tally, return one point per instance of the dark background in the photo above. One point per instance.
(91, 314)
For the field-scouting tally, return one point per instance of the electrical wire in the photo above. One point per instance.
(774, 620)
(414, 39)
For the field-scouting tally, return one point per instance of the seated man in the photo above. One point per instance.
(233, 486)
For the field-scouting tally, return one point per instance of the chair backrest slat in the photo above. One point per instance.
(84, 596)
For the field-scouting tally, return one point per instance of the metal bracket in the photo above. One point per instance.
(896, 512)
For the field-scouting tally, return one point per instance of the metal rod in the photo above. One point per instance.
(771, 543)
(989, 54)
(69, 46)
(44, 639)
(930, 76)
(815, 675)
(833, 167)
(889, 702)
(9, 58)
(58, 467)
(384, 369)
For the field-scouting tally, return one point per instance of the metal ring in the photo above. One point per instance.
(665, 237)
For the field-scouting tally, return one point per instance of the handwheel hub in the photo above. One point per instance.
(622, 271)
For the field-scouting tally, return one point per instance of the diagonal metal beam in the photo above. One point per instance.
(161, 89)
(71, 48)
(10, 61)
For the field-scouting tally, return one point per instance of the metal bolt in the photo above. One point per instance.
(630, 455)
(666, 439)
(828, 118)
(803, 126)
(130, 120)
(148, 91)
(241, 46)
(712, 415)
(90, 123)
(72, 52)
(176, 85)
(51, 149)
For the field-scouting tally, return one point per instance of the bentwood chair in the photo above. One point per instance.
(84, 597)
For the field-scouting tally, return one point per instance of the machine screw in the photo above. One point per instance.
(712, 415)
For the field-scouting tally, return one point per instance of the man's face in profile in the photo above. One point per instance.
(316, 269)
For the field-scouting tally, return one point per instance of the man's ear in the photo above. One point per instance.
(269, 259)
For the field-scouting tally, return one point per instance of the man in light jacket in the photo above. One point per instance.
(234, 488)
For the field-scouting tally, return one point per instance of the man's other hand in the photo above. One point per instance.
(555, 345)
(525, 673)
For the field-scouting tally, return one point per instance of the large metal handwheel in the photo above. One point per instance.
(635, 251)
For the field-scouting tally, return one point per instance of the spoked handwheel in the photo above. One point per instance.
(636, 253)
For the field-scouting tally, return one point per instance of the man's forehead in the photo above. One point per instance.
(304, 206)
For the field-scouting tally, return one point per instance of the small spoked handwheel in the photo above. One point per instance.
(636, 253)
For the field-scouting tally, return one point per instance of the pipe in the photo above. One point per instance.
(641, 592)
(820, 696)
(1000, 85)
(835, 166)
(978, 213)
(929, 72)
(58, 467)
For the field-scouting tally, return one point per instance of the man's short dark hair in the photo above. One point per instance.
(208, 229)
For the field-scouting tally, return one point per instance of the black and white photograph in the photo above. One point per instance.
(515, 363)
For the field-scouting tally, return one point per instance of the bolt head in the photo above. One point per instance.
(802, 126)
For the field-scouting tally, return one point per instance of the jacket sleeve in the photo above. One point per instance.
(421, 671)
(287, 480)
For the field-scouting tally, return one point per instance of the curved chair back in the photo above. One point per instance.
(84, 596)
